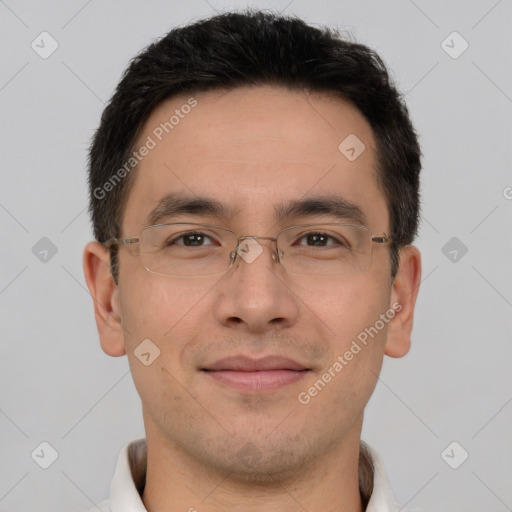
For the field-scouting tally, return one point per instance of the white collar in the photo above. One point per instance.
(130, 475)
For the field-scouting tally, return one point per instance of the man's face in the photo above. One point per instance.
(253, 149)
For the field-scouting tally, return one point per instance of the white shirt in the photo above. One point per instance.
(125, 497)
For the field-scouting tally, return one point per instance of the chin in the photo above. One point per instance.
(266, 472)
(261, 461)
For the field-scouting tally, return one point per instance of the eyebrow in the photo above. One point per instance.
(175, 204)
(178, 204)
(334, 206)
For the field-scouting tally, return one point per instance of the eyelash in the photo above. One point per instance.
(301, 237)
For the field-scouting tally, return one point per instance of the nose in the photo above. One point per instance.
(255, 295)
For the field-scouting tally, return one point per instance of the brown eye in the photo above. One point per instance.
(191, 239)
(318, 239)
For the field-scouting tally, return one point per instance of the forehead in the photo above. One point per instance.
(253, 150)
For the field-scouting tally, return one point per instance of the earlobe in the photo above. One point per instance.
(403, 298)
(105, 295)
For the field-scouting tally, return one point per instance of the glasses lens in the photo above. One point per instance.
(187, 250)
(326, 250)
(195, 250)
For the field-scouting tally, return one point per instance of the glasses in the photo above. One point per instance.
(182, 249)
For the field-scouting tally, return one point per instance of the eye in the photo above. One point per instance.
(319, 239)
(191, 239)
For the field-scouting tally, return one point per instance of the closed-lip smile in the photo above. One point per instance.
(255, 375)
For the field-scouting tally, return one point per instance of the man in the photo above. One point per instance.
(254, 194)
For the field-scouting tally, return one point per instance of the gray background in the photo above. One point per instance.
(56, 384)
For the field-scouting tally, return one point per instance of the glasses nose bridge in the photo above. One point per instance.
(276, 256)
(245, 237)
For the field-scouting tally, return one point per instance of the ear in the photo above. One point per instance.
(403, 299)
(105, 295)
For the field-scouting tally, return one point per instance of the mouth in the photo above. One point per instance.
(250, 375)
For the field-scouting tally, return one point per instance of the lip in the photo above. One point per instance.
(250, 364)
(249, 375)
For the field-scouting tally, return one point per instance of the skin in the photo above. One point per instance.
(252, 148)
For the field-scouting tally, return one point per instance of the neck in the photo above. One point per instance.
(341, 480)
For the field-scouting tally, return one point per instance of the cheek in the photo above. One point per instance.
(153, 306)
(359, 318)
(355, 339)
(346, 308)
(169, 314)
